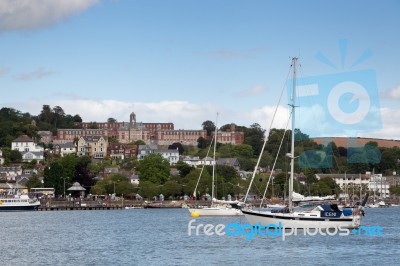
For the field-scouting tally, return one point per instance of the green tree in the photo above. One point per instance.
(281, 184)
(177, 145)
(243, 150)
(153, 168)
(52, 177)
(93, 125)
(395, 190)
(226, 172)
(246, 163)
(11, 156)
(254, 137)
(149, 189)
(202, 143)
(226, 151)
(139, 142)
(34, 181)
(266, 160)
(111, 120)
(171, 188)
(208, 126)
(183, 168)
(82, 173)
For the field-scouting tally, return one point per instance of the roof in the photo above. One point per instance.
(92, 138)
(23, 138)
(36, 153)
(45, 133)
(148, 147)
(227, 161)
(76, 187)
(67, 145)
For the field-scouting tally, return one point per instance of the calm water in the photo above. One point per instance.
(160, 237)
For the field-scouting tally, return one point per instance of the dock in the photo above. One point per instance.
(64, 208)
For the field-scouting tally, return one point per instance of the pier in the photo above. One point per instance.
(78, 208)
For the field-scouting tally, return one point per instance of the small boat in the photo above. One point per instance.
(373, 205)
(19, 203)
(162, 205)
(132, 207)
(382, 204)
(218, 207)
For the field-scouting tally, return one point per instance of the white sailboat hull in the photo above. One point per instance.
(299, 220)
(216, 211)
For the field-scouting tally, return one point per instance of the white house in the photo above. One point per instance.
(372, 182)
(171, 155)
(24, 144)
(28, 148)
(379, 185)
(135, 180)
(32, 155)
(196, 161)
(65, 148)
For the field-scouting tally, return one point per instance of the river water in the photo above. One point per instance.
(161, 237)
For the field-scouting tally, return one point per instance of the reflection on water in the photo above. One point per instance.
(160, 237)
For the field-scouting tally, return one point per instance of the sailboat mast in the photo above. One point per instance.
(213, 170)
(293, 105)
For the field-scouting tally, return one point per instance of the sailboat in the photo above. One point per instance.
(218, 207)
(374, 204)
(323, 216)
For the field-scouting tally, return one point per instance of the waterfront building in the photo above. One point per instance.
(367, 181)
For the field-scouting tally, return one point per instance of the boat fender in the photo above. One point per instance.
(195, 214)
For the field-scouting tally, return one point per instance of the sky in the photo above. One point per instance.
(185, 61)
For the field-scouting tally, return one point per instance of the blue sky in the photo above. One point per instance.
(183, 61)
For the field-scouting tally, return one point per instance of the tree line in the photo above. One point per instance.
(156, 175)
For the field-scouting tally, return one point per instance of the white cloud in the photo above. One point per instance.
(29, 14)
(390, 125)
(253, 91)
(183, 114)
(3, 71)
(227, 54)
(37, 74)
(186, 115)
(263, 116)
(393, 93)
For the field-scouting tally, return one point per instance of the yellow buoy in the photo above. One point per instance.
(195, 214)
